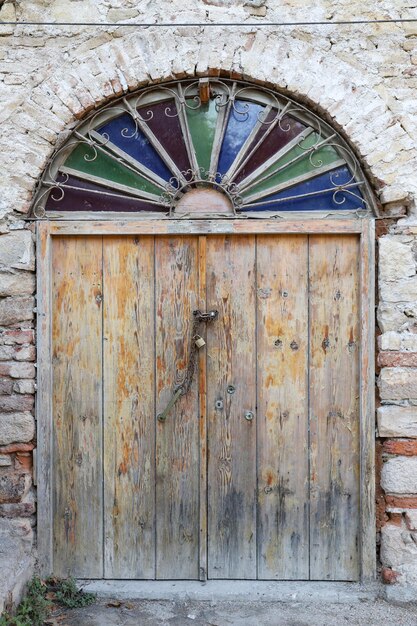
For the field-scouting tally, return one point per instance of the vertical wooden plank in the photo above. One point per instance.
(367, 400)
(129, 411)
(334, 407)
(202, 388)
(77, 406)
(231, 360)
(43, 400)
(177, 439)
(283, 480)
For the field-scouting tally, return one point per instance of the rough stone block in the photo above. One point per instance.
(397, 316)
(396, 259)
(6, 386)
(16, 427)
(16, 544)
(10, 337)
(24, 386)
(411, 519)
(403, 290)
(398, 341)
(25, 353)
(393, 194)
(397, 546)
(16, 309)
(16, 403)
(5, 460)
(16, 283)
(399, 475)
(397, 421)
(17, 250)
(389, 341)
(12, 487)
(6, 353)
(19, 509)
(396, 383)
(17, 369)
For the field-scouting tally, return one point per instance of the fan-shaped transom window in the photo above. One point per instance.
(194, 148)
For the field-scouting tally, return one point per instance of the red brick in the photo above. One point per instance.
(395, 518)
(397, 359)
(24, 461)
(16, 447)
(405, 447)
(389, 576)
(16, 403)
(401, 502)
(18, 336)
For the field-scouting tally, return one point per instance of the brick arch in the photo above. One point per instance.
(291, 66)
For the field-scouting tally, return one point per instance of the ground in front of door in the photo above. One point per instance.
(168, 613)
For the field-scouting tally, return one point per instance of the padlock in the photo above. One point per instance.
(199, 341)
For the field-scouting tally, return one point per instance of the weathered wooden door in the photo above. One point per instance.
(255, 471)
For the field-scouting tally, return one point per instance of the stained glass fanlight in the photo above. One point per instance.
(261, 152)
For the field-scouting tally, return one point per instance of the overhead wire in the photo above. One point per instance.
(217, 24)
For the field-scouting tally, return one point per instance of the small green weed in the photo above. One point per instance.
(68, 594)
(34, 608)
(41, 597)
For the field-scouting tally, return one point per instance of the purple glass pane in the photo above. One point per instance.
(276, 140)
(325, 201)
(163, 121)
(84, 199)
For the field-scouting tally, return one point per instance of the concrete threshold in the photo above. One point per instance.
(235, 590)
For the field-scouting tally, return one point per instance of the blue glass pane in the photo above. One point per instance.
(242, 119)
(326, 201)
(122, 132)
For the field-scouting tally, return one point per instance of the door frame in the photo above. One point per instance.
(364, 227)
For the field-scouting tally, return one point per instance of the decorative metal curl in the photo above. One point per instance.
(184, 95)
(199, 177)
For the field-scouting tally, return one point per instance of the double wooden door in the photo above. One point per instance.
(255, 471)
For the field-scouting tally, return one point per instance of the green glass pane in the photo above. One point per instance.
(323, 156)
(202, 124)
(107, 169)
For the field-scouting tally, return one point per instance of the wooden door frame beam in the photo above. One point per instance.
(365, 228)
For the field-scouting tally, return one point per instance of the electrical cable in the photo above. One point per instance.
(216, 24)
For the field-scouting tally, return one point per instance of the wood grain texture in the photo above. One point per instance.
(231, 360)
(202, 388)
(239, 226)
(44, 402)
(177, 439)
(282, 388)
(367, 400)
(77, 406)
(129, 411)
(334, 407)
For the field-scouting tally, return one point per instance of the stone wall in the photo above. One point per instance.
(362, 78)
(397, 415)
